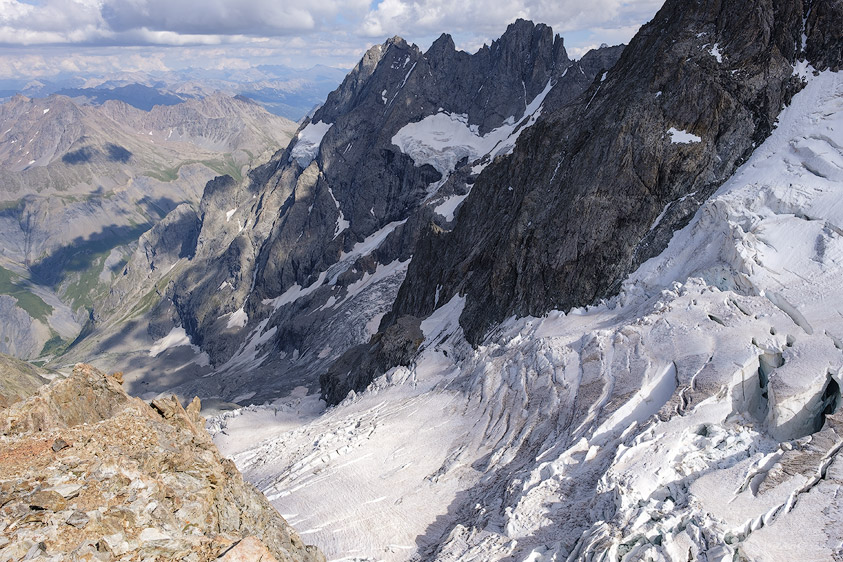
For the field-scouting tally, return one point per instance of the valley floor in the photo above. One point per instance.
(685, 417)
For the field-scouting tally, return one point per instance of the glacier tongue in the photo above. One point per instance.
(685, 417)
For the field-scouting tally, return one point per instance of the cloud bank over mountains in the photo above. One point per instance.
(43, 37)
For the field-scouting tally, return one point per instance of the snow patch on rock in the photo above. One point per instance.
(238, 319)
(443, 139)
(448, 207)
(682, 137)
(176, 337)
(307, 143)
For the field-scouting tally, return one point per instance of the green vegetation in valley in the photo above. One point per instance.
(84, 257)
(225, 166)
(165, 175)
(7, 205)
(84, 287)
(54, 346)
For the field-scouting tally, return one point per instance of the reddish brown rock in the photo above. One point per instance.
(139, 482)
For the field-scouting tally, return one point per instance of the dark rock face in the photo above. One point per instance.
(824, 39)
(360, 175)
(397, 345)
(564, 219)
(303, 213)
(559, 223)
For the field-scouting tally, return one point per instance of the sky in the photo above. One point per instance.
(44, 38)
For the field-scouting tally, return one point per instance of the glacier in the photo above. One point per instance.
(693, 415)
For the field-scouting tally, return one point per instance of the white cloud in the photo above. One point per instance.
(230, 63)
(52, 21)
(208, 17)
(481, 17)
(48, 37)
(39, 65)
(217, 21)
(166, 21)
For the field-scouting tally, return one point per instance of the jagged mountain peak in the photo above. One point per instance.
(521, 62)
(524, 36)
(354, 89)
(347, 198)
(442, 43)
(522, 31)
(397, 41)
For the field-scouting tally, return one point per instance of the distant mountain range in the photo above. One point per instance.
(82, 183)
(287, 92)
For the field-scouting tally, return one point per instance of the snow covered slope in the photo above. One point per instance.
(684, 418)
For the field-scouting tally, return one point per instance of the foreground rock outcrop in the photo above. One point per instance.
(90, 473)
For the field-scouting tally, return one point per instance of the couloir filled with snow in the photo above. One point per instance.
(683, 419)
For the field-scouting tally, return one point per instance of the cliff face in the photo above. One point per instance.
(89, 473)
(342, 179)
(574, 209)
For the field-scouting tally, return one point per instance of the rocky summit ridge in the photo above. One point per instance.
(90, 473)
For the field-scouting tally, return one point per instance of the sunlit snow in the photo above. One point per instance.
(678, 137)
(238, 319)
(307, 143)
(176, 337)
(443, 139)
(448, 207)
